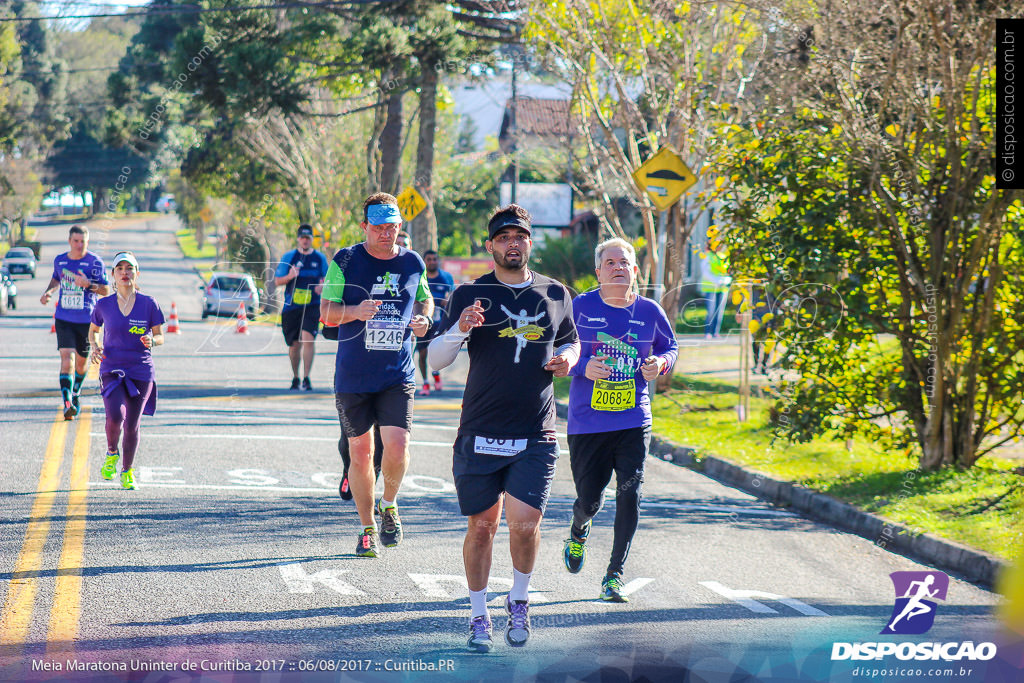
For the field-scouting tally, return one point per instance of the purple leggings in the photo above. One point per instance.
(125, 411)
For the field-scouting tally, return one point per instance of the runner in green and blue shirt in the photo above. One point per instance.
(376, 293)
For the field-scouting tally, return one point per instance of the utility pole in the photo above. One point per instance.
(512, 127)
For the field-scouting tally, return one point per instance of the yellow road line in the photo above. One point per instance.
(67, 596)
(17, 612)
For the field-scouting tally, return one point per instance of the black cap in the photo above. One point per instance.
(305, 230)
(509, 222)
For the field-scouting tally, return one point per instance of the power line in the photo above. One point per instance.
(193, 9)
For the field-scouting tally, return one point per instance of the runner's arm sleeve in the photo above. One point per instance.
(444, 348)
(423, 289)
(97, 316)
(284, 266)
(334, 284)
(665, 345)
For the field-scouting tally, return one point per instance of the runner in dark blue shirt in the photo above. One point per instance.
(376, 293)
(302, 271)
(441, 284)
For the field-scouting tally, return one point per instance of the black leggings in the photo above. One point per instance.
(593, 458)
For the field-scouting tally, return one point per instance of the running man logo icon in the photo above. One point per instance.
(524, 331)
(914, 612)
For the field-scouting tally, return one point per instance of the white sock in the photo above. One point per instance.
(385, 504)
(520, 591)
(478, 603)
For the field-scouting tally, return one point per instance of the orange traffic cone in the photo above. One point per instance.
(172, 322)
(242, 325)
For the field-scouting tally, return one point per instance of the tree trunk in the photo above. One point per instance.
(391, 146)
(424, 227)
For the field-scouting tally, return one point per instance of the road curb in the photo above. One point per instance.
(973, 565)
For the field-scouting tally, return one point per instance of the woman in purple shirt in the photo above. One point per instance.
(131, 324)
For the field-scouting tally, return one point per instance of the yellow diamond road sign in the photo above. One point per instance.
(205, 214)
(665, 177)
(410, 203)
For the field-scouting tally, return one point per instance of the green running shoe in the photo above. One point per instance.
(128, 479)
(110, 466)
(575, 551)
(611, 590)
(390, 525)
(367, 544)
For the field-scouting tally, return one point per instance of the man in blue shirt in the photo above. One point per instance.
(302, 271)
(376, 293)
(441, 284)
(80, 277)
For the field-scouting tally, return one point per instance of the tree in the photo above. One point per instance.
(87, 165)
(868, 198)
(648, 74)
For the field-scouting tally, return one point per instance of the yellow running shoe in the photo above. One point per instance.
(110, 466)
(128, 479)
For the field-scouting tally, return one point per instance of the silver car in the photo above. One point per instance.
(224, 291)
(20, 260)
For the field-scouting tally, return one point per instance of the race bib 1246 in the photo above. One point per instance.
(384, 335)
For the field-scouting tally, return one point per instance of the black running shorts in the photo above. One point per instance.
(297, 319)
(481, 478)
(72, 336)
(391, 407)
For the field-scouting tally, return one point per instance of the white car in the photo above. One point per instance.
(224, 291)
(20, 260)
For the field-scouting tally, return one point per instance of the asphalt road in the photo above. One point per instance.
(236, 553)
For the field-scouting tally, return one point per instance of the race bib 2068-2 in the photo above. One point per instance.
(613, 396)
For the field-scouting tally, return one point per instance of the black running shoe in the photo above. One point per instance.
(366, 546)
(295, 384)
(390, 525)
(611, 590)
(69, 410)
(343, 488)
(306, 386)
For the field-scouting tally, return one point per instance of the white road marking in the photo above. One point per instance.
(298, 581)
(251, 477)
(433, 586)
(757, 512)
(152, 475)
(745, 598)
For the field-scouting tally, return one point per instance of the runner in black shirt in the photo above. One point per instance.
(520, 333)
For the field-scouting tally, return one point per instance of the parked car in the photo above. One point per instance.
(166, 204)
(224, 291)
(20, 260)
(8, 286)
